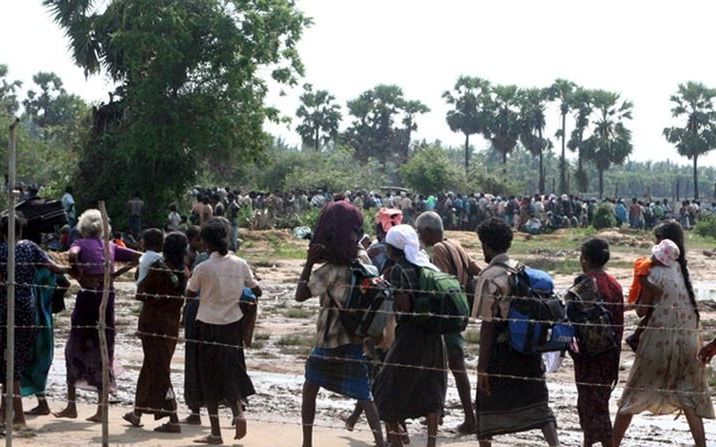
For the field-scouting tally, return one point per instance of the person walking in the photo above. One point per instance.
(135, 209)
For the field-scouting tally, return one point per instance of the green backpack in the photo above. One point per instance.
(442, 303)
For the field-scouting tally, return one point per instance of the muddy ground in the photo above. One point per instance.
(285, 333)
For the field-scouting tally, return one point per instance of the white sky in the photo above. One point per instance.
(639, 49)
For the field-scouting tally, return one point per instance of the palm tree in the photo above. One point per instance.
(467, 115)
(610, 142)
(532, 110)
(562, 90)
(411, 108)
(581, 103)
(502, 124)
(694, 101)
(320, 114)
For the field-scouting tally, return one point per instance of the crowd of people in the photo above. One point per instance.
(194, 277)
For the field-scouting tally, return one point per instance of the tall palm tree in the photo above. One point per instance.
(468, 114)
(503, 126)
(320, 114)
(533, 103)
(695, 102)
(610, 142)
(581, 103)
(562, 91)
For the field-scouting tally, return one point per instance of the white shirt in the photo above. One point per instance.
(220, 282)
(174, 221)
(145, 261)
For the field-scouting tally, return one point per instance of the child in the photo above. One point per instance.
(664, 253)
(118, 241)
(152, 243)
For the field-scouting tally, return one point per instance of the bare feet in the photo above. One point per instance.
(68, 413)
(39, 410)
(133, 419)
(97, 418)
(466, 428)
(211, 440)
(349, 422)
(240, 427)
(192, 419)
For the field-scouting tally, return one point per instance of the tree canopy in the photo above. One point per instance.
(320, 117)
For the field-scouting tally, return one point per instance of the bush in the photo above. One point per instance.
(430, 170)
(706, 227)
(604, 217)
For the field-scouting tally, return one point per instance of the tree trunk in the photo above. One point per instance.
(563, 189)
(601, 183)
(696, 177)
(504, 165)
(467, 152)
(541, 163)
(315, 141)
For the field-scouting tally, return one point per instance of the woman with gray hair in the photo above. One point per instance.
(82, 352)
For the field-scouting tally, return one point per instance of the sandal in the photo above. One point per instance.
(211, 440)
(169, 427)
(133, 419)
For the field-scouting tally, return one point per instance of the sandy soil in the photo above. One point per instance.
(284, 336)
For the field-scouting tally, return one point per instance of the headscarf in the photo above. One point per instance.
(388, 218)
(666, 252)
(339, 228)
(404, 237)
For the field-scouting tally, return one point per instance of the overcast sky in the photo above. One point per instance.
(642, 50)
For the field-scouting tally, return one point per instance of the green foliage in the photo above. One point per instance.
(8, 92)
(533, 103)
(191, 73)
(706, 227)
(320, 117)
(430, 171)
(562, 91)
(503, 125)
(604, 217)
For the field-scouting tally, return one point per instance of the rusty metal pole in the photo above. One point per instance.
(10, 288)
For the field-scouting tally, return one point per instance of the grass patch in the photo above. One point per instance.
(472, 337)
(258, 345)
(295, 340)
(297, 312)
(556, 266)
(262, 336)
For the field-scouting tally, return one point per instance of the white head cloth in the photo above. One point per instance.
(404, 237)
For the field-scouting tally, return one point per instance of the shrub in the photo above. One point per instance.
(706, 227)
(430, 170)
(604, 217)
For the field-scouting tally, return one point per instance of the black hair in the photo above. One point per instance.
(174, 249)
(671, 230)
(193, 231)
(68, 190)
(153, 239)
(595, 250)
(496, 234)
(216, 235)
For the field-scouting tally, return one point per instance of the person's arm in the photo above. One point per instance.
(303, 292)
(707, 352)
(646, 297)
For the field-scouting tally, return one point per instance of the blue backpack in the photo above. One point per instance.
(537, 321)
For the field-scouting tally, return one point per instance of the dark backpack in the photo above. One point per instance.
(368, 305)
(537, 320)
(441, 302)
(592, 320)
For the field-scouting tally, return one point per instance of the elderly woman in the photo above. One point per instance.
(29, 258)
(162, 291)
(82, 353)
(402, 390)
(666, 376)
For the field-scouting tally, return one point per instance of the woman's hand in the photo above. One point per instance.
(315, 253)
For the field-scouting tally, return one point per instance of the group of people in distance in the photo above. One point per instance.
(195, 277)
(512, 394)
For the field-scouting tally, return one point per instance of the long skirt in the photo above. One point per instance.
(155, 394)
(192, 393)
(25, 331)
(220, 355)
(515, 404)
(595, 377)
(343, 370)
(33, 379)
(83, 356)
(413, 381)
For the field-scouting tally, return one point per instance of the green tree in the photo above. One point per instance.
(374, 131)
(610, 142)
(320, 117)
(533, 103)
(430, 170)
(191, 88)
(8, 92)
(468, 113)
(695, 102)
(581, 103)
(52, 107)
(503, 125)
(561, 91)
